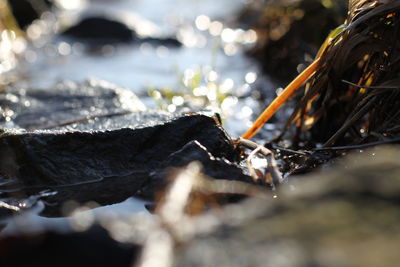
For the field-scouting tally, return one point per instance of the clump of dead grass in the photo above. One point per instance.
(354, 96)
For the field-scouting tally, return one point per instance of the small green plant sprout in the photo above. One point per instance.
(197, 89)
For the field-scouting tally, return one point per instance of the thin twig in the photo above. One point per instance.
(371, 87)
(359, 114)
(394, 140)
(291, 151)
(249, 164)
(269, 156)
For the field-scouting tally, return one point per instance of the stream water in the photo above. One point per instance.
(212, 49)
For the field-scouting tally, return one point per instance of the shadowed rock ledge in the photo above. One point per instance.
(96, 145)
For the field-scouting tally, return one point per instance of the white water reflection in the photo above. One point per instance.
(81, 219)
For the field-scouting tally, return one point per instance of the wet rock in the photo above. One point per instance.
(214, 166)
(65, 158)
(46, 108)
(25, 11)
(93, 247)
(96, 146)
(345, 216)
(91, 142)
(108, 166)
(160, 41)
(100, 30)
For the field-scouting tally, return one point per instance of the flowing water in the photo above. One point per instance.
(213, 49)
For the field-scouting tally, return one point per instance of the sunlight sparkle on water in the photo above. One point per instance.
(200, 91)
(227, 86)
(171, 108)
(250, 37)
(19, 45)
(212, 93)
(187, 76)
(212, 76)
(178, 100)
(64, 49)
(250, 77)
(246, 111)
(216, 28)
(71, 4)
(228, 35)
(34, 31)
(8, 43)
(202, 22)
(230, 49)
(228, 103)
(190, 38)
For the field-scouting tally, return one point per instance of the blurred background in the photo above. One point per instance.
(227, 56)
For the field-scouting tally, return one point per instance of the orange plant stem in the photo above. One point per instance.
(279, 100)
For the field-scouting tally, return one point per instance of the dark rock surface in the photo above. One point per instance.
(94, 145)
(170, 42)
(216, 165)
(63, 157)
(97, 31)
(101, 31)
(347, 216)
(109, 166)
(93, 247)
